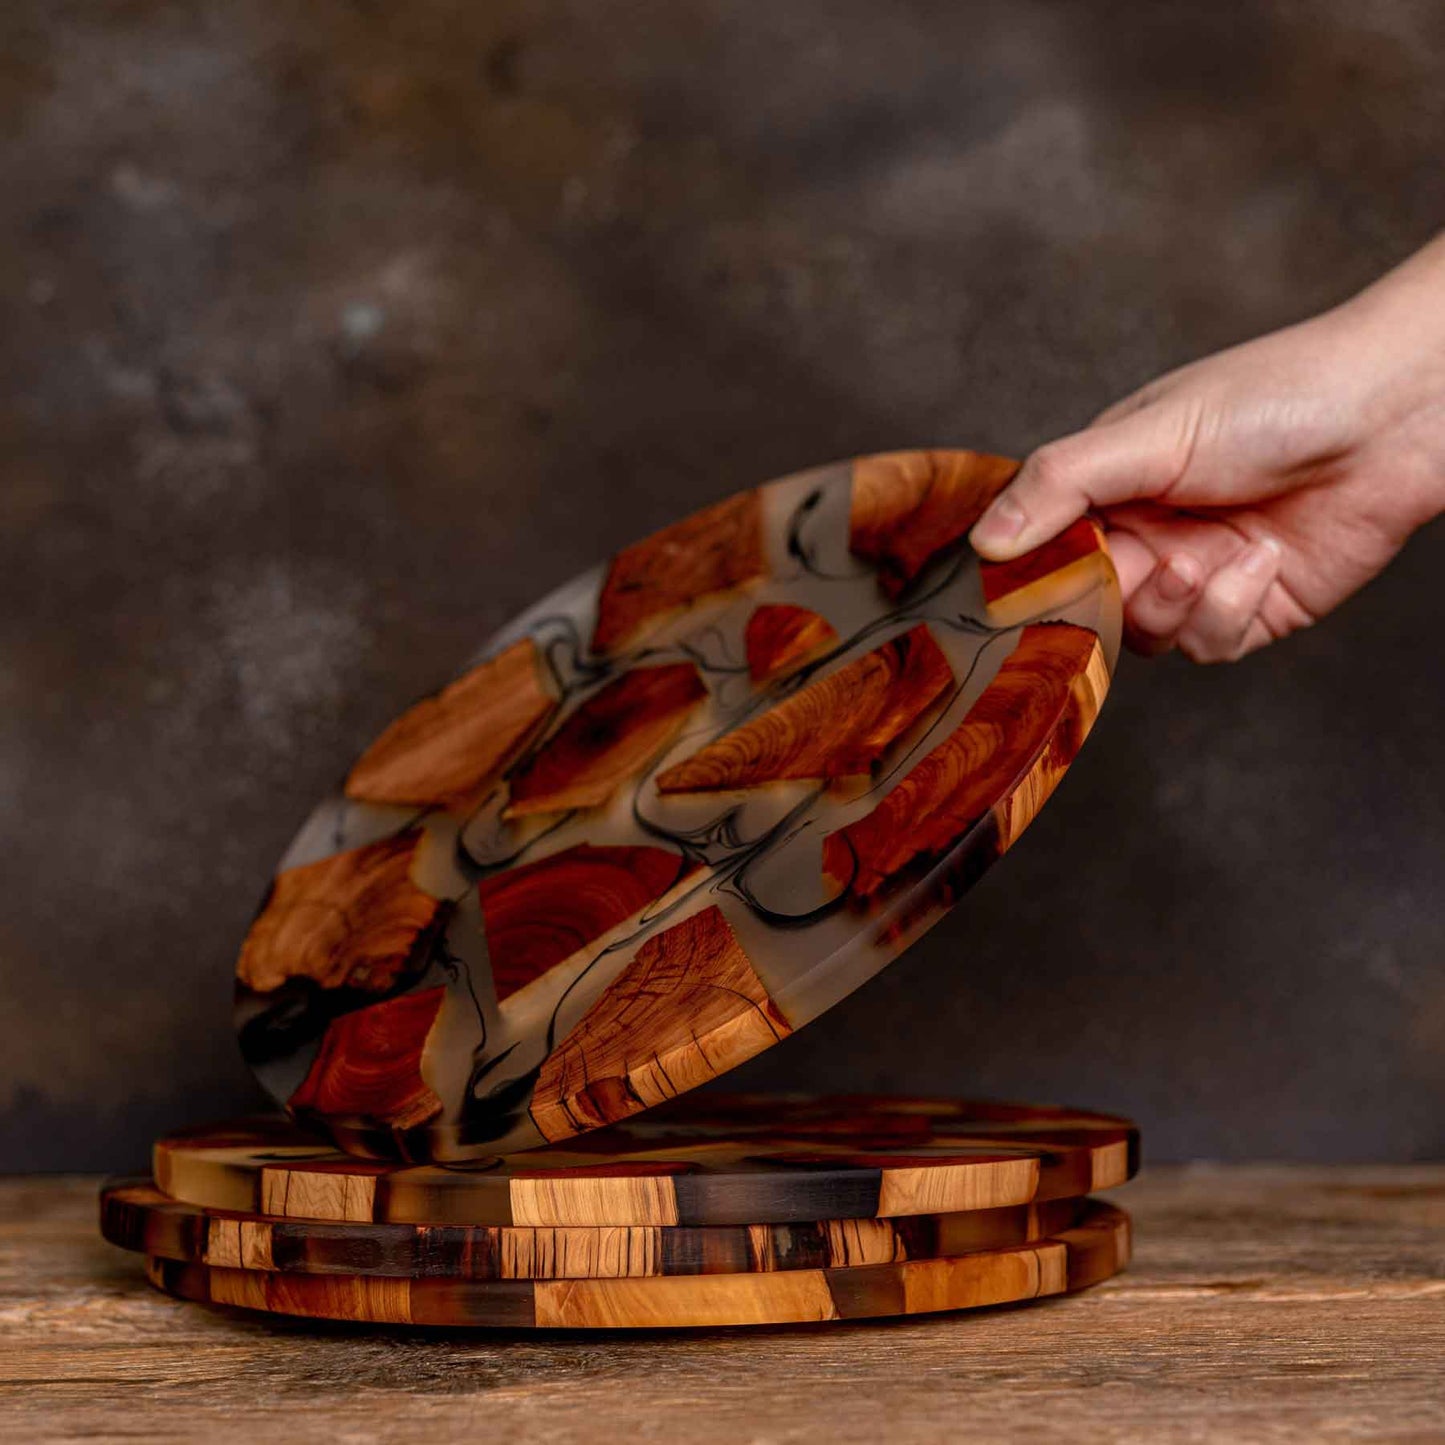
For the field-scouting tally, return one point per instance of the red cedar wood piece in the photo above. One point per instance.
(711, 551)
(780, 637)
(135, 1215)
(1092, 1251)
(538, 914)
(448, 750)
(369, 1065)
(613, 735)
(836, 727)
(1081, 541)
(689, 1006)
(907, 507)
(354, 920)
(1007, 756)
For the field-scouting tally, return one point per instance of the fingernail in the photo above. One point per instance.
(1179, 578)
(1001, 524)
(1260, 558)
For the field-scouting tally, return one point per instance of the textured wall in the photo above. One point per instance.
(335, 333)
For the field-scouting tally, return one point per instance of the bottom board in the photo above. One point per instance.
(1096, 1248)
(135, 1215)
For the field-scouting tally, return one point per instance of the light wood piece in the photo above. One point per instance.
(448, 750)
(353, 921)
(908, 507)
(687, 1008)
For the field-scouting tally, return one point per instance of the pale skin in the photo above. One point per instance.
(1248, 494)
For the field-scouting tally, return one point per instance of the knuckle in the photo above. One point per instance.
(1227, 601)
(1049, 468)
(1162, 600)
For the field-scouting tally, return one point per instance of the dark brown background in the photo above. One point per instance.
(335, 333)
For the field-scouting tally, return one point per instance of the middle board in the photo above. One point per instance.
(135, 1215)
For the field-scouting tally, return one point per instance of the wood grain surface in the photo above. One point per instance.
(449, 749)
(712, 551)
(1263, 1304)
(537, 914)
(908, 507)
(838, 726)
(780, 637)
(612, 736)
(354, 920)
(708, 1159)
(1092, 1250)
(687, 1008)
(1005, 757)
(1015, 589)
(369, 1064)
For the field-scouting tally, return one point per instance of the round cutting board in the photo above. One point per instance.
(674, 812)
(707, 1160)
(1093, 1250)
(135, 1215)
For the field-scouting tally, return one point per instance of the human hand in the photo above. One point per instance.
(1248, 494)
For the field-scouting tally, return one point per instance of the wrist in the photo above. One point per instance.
(1392, 338)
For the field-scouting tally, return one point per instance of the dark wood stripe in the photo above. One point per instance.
(762, 1198)
(866, 1292)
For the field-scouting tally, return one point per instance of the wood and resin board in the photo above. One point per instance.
(135, 1215)
(705, 1160)
(673, 812)
(1093, 1250)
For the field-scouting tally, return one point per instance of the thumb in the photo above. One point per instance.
(1140, 455)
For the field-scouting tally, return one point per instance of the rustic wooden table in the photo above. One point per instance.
(1264, 1303)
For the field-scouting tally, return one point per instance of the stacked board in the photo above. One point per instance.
(716, 1211)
